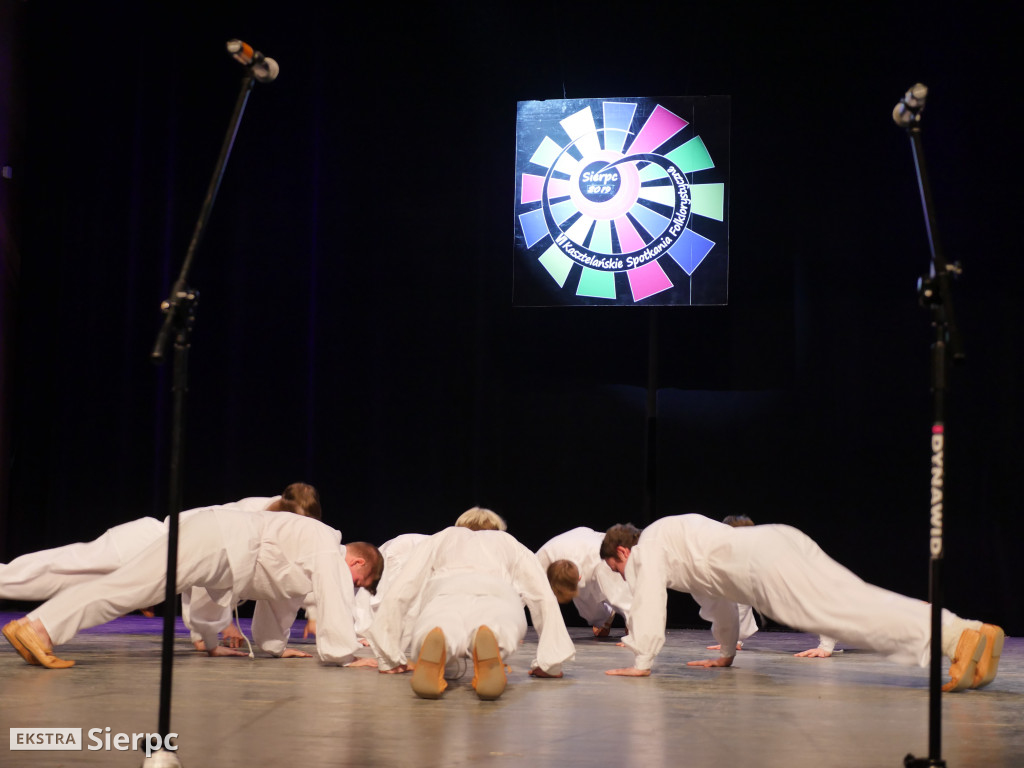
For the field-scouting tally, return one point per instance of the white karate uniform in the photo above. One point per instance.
(465, 579)
(215, 613)
(395, 552)
(602, 593)
(41, 575)
(779, 571)
(748, 625)
(271, 557)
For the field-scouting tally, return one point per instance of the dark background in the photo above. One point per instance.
(356, 330)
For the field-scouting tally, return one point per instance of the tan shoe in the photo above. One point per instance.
(428, 676)
(8, 631)
(34, 644)
(489, 677)
(969, 649)
(988, 664)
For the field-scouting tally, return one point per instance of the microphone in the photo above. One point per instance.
(908, 111)
(262, 67)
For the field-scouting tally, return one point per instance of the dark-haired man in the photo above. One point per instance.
(784, 574)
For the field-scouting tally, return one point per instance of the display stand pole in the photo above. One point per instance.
(935, 292)
(179, 318)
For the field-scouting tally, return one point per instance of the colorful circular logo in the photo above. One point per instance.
(612, 195)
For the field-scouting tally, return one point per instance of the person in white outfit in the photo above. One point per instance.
(782, 573)
(471, 587)
(395, 552)
(596, 592)
(275, 559)
(748, 626)
(41, 575)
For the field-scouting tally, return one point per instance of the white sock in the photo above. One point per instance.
(952, 627)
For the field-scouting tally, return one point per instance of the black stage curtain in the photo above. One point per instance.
(355, 327)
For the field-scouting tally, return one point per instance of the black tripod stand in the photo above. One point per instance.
(935, 293)
(179, 317)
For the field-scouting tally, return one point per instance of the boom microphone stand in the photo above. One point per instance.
(179, 317)
(935, 292)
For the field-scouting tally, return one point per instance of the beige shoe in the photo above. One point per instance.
(428, 676)
(8, 632)
(969, 649)
(988, 664)
(489, 677)
(34, 644)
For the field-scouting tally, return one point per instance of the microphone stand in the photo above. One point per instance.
(179, 318)
(935, 294)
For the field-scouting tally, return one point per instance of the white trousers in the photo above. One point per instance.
(141, 582)
(41, 575)
(791, 579)
(460, 604)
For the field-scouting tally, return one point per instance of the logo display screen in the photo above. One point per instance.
(622, 202)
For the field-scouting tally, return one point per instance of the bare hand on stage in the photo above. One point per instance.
(231, 637)
(814, 653)
(601, 631)
(629, 672)
(721, 661)
(538, 672)
(364, 662)
(397, 670)
(220, 650)
(294, 653)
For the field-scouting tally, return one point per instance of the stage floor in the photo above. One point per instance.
(769, 709)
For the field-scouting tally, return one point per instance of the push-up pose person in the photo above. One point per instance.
(395, 552)
(41, 575)
(782, 573)
(275, 559)
(573, 564)
(470, 587)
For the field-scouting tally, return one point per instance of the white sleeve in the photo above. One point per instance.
(748, 624)
(396, 608)
(646, 624)
(615, 590)
(363, 616)
(186, 616)
(724, 616)
(554, 646)
(336, 641)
